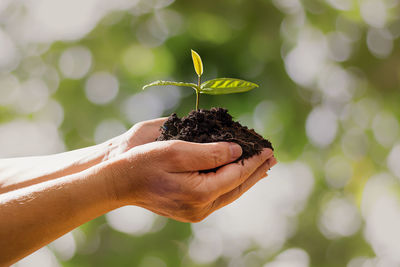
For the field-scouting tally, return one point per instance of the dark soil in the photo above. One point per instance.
(206, 126)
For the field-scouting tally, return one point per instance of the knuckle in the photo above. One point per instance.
(138, 126)
(176, 142)
(171, 149)
(175, 145)
(217, 156)
(181, 153)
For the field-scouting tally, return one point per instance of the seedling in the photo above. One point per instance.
(219, 86)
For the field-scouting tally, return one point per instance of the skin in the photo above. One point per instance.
(42, 201)
(22, 172)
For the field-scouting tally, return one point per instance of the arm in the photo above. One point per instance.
(16, 173)
(160, 176)
(34, 216)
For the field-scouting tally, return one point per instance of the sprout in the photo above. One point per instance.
(217, 86)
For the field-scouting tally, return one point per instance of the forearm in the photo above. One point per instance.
(34, 216)
(21, 172)
(16, 173)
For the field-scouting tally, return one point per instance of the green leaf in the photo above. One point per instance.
(198, 64)
(222, 86)
(162, 83)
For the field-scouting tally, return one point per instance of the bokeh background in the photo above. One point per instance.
(329, 101)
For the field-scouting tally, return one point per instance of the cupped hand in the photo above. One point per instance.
(144, 132)
(164, 177)
(141, 133)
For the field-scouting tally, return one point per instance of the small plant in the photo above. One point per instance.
(219, 86)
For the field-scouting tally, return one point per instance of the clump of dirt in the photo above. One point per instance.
(215, 125)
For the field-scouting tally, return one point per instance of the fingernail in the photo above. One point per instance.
(236, 150)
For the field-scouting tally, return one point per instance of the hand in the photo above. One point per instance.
(144, 132)
(23, 172)
(141, 133)
(163, 177)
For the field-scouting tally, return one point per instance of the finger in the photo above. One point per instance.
(187, 156)
(145, 132)
(234, 194)
(154, 127)
(231, 176)
(156, 122)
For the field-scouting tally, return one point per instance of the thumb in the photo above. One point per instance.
(188, 156)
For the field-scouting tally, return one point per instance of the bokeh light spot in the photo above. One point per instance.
(374, 12)
(293, 257)
(9, 56)
(321, 126)
(340, 46)
(288, 6)
(138, 60)
(341, 4)
(385, 128)
(355, 144)
(131, 220)
(101, 88)
(336, 84)
(379, 42)
(305, 61)
(143, 106)
(393, 160)
(64, 246)
(20, 138)
(52, 112)
(33, 95)
(107, 129)
(339, 218)
(206, 246)
(43, 257)
(75, 62)
(338, 172)
(218, 30)
(9, 86)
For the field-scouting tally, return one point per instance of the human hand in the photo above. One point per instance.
(29, 171)
(144, 132)
(141, 133)
(163, 177)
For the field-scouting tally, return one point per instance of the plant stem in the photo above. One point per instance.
(197, 100)
(198, 93)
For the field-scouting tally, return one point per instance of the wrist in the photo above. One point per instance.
(121, 176)
(109, 184)
(113, 179)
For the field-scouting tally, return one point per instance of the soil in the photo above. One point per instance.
(206, 126)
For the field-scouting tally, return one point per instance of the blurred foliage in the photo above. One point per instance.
(250, 40)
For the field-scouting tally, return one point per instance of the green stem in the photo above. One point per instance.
(198, 93)
(197, 99)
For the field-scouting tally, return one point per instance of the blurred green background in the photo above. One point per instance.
(329, 101)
